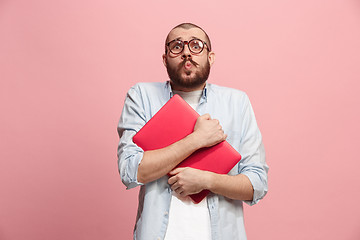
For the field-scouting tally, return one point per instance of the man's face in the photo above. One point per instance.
(188, 71)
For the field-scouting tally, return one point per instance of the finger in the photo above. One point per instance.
(179, 191)
(175, 186)
(206, 116)
(184, 193)
(172, 180)
(176, 171)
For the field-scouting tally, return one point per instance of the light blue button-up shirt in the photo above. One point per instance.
(233, 109)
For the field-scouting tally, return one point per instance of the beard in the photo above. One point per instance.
(201, 75)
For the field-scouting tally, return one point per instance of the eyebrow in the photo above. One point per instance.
(191, 38)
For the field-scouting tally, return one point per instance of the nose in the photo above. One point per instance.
(186, 52)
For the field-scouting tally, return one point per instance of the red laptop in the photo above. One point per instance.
(174, 121)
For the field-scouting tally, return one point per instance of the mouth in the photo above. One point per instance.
(187, 65)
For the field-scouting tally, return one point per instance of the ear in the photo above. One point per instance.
(211, 57)
(164, 60)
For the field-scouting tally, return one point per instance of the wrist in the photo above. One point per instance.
(195, 140)
(209, 181)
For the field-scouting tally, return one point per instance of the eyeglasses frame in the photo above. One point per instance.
(187, 43)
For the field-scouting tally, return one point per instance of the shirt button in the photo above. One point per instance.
(166, 213)
(158, 238)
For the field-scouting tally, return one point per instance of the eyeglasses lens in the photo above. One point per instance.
(195, 46)
(176, 47)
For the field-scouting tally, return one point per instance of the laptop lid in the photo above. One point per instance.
(174, 121)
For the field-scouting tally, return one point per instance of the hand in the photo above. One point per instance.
(208, 131)
(187, 181)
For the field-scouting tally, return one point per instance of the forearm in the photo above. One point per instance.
(187, 181)
(157, 163)
(235, 187)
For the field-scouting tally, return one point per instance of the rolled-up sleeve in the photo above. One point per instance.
(129, 154)
(253, 163)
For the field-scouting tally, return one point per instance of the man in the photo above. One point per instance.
(165, 211)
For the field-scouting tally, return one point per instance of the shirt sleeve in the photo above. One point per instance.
(129, 154)
(253, 163)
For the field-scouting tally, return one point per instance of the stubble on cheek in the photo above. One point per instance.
(193, 77)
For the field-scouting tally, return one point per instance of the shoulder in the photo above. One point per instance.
(231, 94)
(148, 86)
(144, 89)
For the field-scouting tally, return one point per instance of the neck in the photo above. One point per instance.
(186, 89)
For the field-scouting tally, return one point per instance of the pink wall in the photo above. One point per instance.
(65, 67)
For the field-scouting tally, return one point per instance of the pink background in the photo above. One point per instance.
(65, 67)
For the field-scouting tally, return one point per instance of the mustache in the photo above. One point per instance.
(190, 60)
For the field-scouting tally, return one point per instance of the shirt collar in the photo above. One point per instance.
(171, 94)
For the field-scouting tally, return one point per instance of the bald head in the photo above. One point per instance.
(189, 26)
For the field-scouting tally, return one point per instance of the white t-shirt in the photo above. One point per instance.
(188, 221)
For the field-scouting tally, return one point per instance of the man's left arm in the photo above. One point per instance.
(187, 181)
(250, 182)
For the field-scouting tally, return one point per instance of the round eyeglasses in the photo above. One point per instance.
(195, 46)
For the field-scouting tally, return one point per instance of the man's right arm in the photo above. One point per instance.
(137, 167)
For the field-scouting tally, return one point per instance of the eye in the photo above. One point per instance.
(176, 45)
(196, 45)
